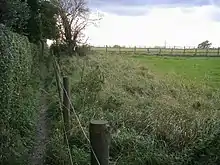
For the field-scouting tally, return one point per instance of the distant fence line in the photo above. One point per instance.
(162, 51)
(142, 47)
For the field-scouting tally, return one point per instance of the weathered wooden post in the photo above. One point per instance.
(195, 51)
(184, 50)
(148, 51)
(99, 139)
(207, 52)
(119, 49)
(134, 49)
(106, 48)
(171, 51)
(66, 106)
(159, 51)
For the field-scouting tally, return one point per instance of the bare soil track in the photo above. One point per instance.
(39, 149)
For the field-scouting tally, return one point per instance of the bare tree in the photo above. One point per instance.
(73, 18)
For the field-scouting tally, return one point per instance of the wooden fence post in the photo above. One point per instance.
(106, 48)
(171, 51)
(99, 139)
(218, 51)
(134, 49)
(148, 51)
(160, 51)
(184, 50)
(66, 106)
(119, 49)
(207, 52)
(195, 51)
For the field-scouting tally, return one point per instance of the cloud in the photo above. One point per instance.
(127, 10)
(176, 25)
(152, 2)
(139, 7)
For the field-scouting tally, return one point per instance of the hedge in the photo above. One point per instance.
(19, 95)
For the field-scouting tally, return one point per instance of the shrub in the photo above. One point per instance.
(62, 50)
(83, 50)
(18, 96)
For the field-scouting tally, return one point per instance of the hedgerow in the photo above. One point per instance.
(19, 95)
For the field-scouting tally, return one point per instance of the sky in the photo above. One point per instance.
(155, 22)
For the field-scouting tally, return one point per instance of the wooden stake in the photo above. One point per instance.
(99, 138)
(66, 105)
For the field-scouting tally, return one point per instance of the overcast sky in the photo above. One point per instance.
(152, 22)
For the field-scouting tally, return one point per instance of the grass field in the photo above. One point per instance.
(201, 70)
(163, 51)
(153, 120)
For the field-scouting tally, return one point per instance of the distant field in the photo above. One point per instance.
(202, 70)
(164, 51)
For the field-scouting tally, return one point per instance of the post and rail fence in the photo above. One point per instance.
(162, 51)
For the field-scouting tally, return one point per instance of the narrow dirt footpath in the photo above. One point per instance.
(39, 150)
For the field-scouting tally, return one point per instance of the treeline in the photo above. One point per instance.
(32, 18)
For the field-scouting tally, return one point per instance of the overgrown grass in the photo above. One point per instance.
(153, 120)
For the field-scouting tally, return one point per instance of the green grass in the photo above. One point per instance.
(152, 120)
(202, 70)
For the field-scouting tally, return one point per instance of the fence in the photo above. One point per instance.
(212, 52)
(99, 136)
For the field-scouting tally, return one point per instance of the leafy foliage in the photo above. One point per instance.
(48, 17)
(33, 18)
(18, 96)
(15, 15)
(83, 50)
(116, 46)
(34, 23)
(204, 45)
(61, 50)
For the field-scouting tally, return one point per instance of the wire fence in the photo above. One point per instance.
(99, 156)
(171, 51)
